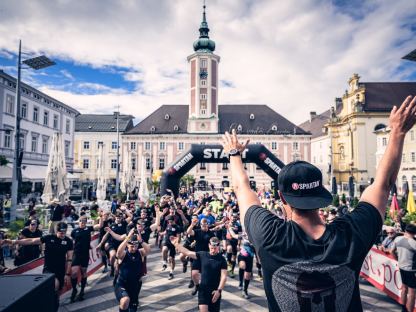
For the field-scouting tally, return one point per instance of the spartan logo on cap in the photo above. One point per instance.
(295, 186)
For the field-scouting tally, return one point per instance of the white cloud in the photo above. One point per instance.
(293, 56)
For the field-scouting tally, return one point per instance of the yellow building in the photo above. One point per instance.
(365, 109)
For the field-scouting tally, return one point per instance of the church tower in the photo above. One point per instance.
(203, 107)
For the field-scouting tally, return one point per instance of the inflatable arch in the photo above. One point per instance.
(199, 153)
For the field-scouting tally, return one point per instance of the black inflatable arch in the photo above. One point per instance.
(198, 153)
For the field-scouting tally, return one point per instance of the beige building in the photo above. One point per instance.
(91, 130)
(365, 109)
(170, 130)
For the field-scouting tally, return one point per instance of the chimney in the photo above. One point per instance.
(313, 115)
(338, 103)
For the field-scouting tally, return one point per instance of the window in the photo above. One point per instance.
(224, 166)
(67, 145)
(203, 82)
(34, 146)
(113, 163)
(113, 145)
(45, 118)
(99, 143)
(295, 146)
(403, 157)
(203, 166)
(7, 139)
(86, 145)
(147, 146)
(161, 163)
(412, 135)
(162, 146)
(22, 141)
(55, 121)
(274, 145)
(383, 141)
(133, 163)
(35, 114)
(23, 110)
(413, 183)
(68, 126)
(204, 63)
(413, 156)
(132, 145)
(147, 163)
(180, 146)
(203, 96)
(10, 104)
(86, 163)
(342, 152)
(45, 145)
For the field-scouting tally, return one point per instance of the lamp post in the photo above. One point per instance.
(117, 115)
(35, 63)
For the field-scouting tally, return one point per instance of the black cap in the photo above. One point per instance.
(133, 240)
(62, 227)
(301, 185)
(411, 228)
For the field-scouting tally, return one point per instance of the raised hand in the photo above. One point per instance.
(230, 141)
(403, 118)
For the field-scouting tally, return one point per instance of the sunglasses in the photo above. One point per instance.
(214, 244)
(33, 224)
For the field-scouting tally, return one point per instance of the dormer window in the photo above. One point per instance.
(176, 127)
(167, 117)
(152, 128)
(274, 128)
(251, 116)
(240, 128)
(89, 127)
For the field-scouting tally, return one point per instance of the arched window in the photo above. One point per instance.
(379, 126)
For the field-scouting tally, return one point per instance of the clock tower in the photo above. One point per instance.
(203, 108)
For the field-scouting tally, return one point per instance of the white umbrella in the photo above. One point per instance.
(101, 190)
(127, 178)
(56, 181)
(143, 189)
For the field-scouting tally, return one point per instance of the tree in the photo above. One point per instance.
(335, 200)
(187, 179)
(3, 160)
(343, 199)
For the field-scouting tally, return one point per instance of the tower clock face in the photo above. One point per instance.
(203, 74)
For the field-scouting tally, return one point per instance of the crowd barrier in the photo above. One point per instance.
(36, 266)
(380, 269)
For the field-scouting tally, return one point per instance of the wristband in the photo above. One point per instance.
(220, 290)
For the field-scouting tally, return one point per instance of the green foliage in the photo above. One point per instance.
(335, 200)
(410, 217)
(3, 160)
(354, 202)
(15, 227)
(343, 198)
(187, 180)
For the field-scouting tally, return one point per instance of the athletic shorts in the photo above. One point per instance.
(233, 243)
(81, 260)
(124, 289)
(408, 278)
(59, 275)
(205, 298)
(171, 248)
(195, 264)
(248, 260)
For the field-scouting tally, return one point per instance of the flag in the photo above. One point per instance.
(411, 203)
(394, 207)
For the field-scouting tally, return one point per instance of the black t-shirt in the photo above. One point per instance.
(55, 252)
(106, 223)
(211, 267)
(31, 251)
(82, 239)
(56, 212)
(172, 230)
(202, 239)
(120, 229)
(303, 274)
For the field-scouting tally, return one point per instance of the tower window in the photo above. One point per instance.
(167, 117)
(203, 63)
(251, 116)
(203, 96)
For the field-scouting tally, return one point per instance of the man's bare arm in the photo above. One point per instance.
(241, 185)
(401, 121)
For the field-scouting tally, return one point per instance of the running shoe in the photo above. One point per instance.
(81, 296)
(105, 270)
(195, 291)
(164, 266)
(170, 276)
(73, 295)
(191, 284)
(240, 286)
(245, 294)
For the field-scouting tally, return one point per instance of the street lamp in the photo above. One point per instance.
(117, 116)
(35, 63)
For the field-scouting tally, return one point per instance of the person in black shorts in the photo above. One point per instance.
(245, 263)
(202, 237)
(232, 243)
(130, 253)
(171, 229)
(213, 274)
(58, 255)
(105, 221)
(81, 256)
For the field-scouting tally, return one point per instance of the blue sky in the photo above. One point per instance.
(295, 56)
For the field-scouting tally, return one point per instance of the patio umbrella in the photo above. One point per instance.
(394, 207)
(411, 203)
(351, 187)
(101, 191)
(127, 179)
(143, 189)
(334, 186)
(56, 181)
